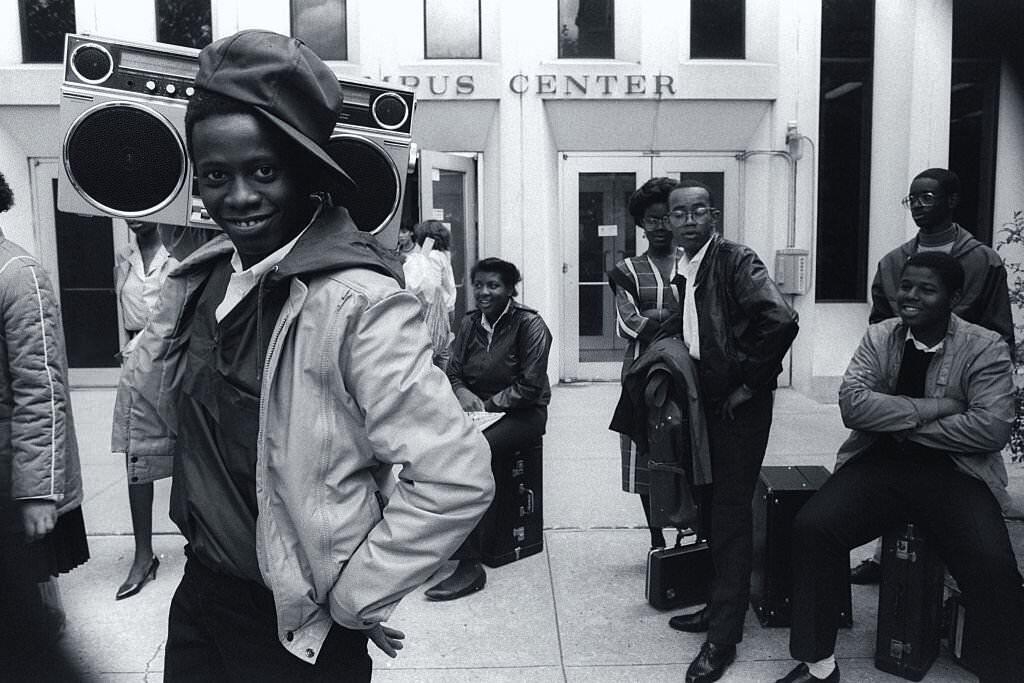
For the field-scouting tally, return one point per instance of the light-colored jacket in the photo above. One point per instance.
(969, 377)
(38, 448)
(348, 390)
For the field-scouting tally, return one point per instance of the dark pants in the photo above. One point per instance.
(516, 430)
(737, 451)
(877, 492)
(222, 628)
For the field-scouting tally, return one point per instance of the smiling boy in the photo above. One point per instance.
(287, 370)
(929, 399)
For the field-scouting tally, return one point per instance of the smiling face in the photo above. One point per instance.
(250, 183)
(691, 232)
(924, 303)
(491, 294)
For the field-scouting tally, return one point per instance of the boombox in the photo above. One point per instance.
(122, 113)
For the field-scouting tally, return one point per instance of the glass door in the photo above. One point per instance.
(78, 253)
(448, 194)
(598, 232)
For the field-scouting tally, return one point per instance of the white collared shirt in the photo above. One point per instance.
(243, 280)
(141, 289)
(691, 328)
(490, 328)
(921, 346)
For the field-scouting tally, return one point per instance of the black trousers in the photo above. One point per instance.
(223, 628)
(517, 429)
(876, 492)
(727, 520)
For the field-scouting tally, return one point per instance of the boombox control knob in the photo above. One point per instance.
(150, 86)
(190, 91)
(170, 88)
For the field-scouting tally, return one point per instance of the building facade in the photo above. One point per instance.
(537, 119)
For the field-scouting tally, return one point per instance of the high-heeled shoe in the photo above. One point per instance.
(127, 589)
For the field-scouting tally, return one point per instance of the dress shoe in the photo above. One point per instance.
(711, 663)
(867, 572)
(801, 674)
(467, 578)
(128, 589)
(695, 622)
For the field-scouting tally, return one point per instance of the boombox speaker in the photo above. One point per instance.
(122, 113)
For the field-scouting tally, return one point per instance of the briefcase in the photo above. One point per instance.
(513, 526)
(679, 576)
(909, 605)
(778, 496)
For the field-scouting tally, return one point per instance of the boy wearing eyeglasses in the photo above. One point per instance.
(737, 326)
(934, 194)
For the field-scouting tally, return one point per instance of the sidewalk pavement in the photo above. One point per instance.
(573, 613)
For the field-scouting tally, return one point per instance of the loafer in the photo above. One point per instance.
(711, 663)
(865, 573)
(695, 622)
(466, 579)
(801, 674)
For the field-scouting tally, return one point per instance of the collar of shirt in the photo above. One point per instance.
(691, 265)
(155, 264)
(921, 346)
(490, 328)
(243, 280)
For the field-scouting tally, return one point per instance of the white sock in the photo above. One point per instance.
(822, 668)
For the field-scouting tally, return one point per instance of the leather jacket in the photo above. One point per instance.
(746, 325)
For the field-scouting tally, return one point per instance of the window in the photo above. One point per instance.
(43, 25)
(978, 34)
(451, 29)
(184, 22)
(586, 28)
(717, 29)
(323, 26)
(844, 129)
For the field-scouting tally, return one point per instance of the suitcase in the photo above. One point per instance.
(778, 496)
(513, 526)
(909, 605)
(679, 576)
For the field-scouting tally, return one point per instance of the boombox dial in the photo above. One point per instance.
(92, 63)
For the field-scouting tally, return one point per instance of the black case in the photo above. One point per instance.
(780, 493)
(513, 526)
(909, 605)
(679, 576)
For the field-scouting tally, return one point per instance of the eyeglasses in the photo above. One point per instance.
(925, 199)
(654, 222)
(680, 216)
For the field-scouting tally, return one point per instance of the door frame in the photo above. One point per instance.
(646, 166)
(466, 164)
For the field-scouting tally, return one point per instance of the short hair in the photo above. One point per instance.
(948, 181)
(690, 182)
(509, 274)
(436, 229)
(946, 266)
(6, 194)
(654, 191)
